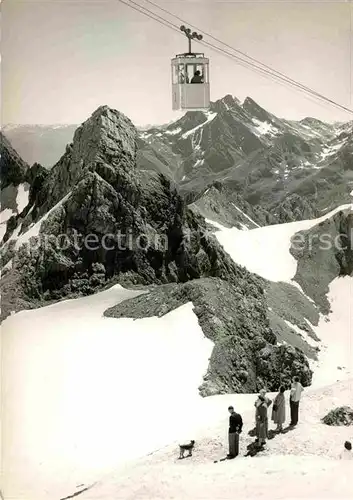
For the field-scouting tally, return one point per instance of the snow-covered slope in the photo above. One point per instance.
(4, 217)
(302, 464)
(83, 395)
(35, 229)
(81, 392)
(266, 250)
(336, 336)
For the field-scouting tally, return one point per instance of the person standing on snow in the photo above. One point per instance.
(294, 400)
(263, 394)
(262, 421)
(261, 400)
(235, 428)
(279, 409)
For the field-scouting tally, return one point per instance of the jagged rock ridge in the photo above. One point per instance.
(95, 191)
(235, 317)
(13, 168)
(325, 253)
(14, 185)
(292, 169)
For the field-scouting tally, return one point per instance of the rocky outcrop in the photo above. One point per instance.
(339, 416)
(14, 187)
(103, 221)
(344, 250)
(323, 253)
(12, 168)
(94, 220)
(22, 219)
(293, 208)
(234, 315)
(293, 170)
(222, 204)
(291, 315)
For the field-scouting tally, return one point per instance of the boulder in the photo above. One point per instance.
(339, 416)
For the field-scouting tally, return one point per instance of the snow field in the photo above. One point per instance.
(265, 250)
(83, 392)
(303, 463)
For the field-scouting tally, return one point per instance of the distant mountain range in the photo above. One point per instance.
(292, 169)
(285, 170)
(42, 144)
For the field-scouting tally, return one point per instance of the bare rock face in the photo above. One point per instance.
(234, 315)
(339, 416)
(14, 186)
(103, 221)
(324, 253)
(13, 168)
(105, 143)
(294, 207)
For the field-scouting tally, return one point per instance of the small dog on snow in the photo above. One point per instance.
(186, 447)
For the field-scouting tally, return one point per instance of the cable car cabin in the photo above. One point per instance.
(190, 82)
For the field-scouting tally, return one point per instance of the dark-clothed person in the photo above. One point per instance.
(295, 395)
(197, 78)
(235, 428)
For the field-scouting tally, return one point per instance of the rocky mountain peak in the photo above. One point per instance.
(105, 143)
(256, 110)
(309, 120)
(107, 130)
(229, 101)
(190, 120)
(225, 105)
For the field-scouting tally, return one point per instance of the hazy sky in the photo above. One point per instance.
(61, 59)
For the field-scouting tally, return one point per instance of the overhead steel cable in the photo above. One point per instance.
(259, 68)
(272, 70)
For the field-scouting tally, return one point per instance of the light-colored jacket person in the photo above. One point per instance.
(294, 399)
(296, 391)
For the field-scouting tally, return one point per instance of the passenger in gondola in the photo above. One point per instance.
(181, 77)
(197, 78)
